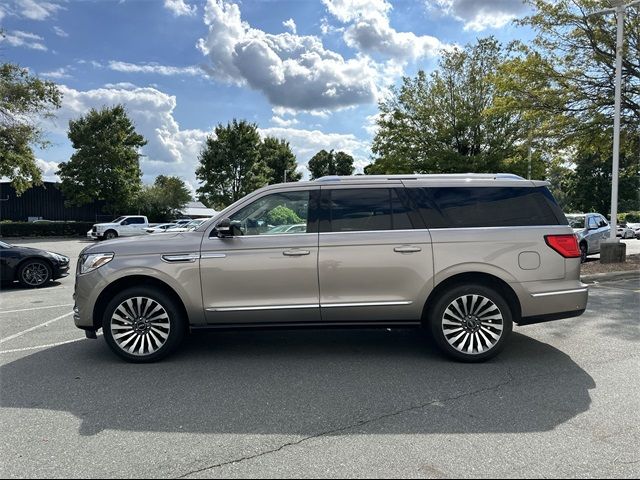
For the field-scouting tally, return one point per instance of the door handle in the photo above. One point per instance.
(296, 253)
(407, 249)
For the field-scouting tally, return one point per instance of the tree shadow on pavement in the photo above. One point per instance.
(303, 382)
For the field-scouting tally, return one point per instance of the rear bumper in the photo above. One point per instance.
(546, 301)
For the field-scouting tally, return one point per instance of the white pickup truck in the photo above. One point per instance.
(126, 226)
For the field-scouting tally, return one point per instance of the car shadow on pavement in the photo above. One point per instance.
(303, 382)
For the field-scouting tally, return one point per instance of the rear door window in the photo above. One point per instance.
(366, 209)
(468, 207)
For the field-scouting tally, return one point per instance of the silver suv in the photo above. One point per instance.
(465, 256)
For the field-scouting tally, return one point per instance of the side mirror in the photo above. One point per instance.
(124, 222)
(224, 228)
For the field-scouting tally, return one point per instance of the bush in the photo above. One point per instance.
(629, 217)
(44, 229)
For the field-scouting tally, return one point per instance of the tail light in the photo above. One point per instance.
(566, 245)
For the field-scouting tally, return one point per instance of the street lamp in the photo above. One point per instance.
(618, 8)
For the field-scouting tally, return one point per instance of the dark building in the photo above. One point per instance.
(46, 202)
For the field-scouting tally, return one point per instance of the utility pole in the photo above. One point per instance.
(613, 250)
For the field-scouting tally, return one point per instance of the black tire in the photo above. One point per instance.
(34, 273)
(583, 252)
(174, 328)
(110, 234)
(478, 329)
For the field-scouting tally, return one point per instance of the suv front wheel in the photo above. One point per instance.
(471, 323)
(143, 325)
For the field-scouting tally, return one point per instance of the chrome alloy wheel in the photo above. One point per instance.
(472, 324)
(140, 326)
(35, 274)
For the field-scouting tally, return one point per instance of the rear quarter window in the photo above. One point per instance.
(468, 207)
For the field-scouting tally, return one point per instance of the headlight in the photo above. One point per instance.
(60, 258)
(88, 263)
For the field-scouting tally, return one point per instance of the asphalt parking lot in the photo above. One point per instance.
(562, 400)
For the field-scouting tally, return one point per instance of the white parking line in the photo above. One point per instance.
(19, 334)
(50, 345)
(36, 308)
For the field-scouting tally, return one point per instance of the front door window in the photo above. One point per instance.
(275, 214)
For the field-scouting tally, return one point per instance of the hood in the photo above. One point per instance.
(34, 251)
(157, 243)
(109, 224)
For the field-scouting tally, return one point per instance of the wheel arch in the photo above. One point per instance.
(482, 278)
(134, 281)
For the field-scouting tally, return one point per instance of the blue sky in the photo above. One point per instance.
(309, 71)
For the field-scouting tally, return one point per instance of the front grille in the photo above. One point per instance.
(94, 229)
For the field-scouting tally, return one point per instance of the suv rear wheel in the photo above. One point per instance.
(143, 325)
(471, 323)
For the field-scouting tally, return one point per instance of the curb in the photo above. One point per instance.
(600, 277)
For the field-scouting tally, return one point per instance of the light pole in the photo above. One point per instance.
(618, 8)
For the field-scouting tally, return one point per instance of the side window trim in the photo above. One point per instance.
(312, 216)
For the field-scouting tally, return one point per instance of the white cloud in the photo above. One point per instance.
(180, 8)
(2, 13)
(36, 9)
(154, 68)
(282, 122)
(57, 74)
(479, 15)
(291, 25)
(60, 32)
(170, 150)
(293, 71)
(120, 85)
(369, 30)
(48, 169)
(306, 143)
(17, 38)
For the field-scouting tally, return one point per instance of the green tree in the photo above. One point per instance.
(106, 164)
(277, 155)
(447, 123)
(330, 163)
(590, 186)
(230, 165)
(23, 99)
(282, 215)
(571, 65)
(164, 200)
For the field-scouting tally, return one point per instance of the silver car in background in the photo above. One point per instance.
(464, 256)
(592, 229)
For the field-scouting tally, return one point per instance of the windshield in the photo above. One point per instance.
(119, 219)
(4, 245)
(576, 222)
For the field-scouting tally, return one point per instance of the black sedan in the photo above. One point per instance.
(31, 267)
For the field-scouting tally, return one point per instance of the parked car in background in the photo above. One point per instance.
(31, 267)
(161, 228)
(127, 226)
(636, 229)
(187, 227)
(591, 229)
(624, 231)
(465, 256)
(297, 228)
(181, 222)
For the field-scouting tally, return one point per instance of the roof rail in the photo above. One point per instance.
(429, 176)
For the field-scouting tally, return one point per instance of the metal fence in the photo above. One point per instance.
(46, 202)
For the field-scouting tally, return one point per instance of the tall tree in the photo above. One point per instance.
(230, 165)
(277, 155)
(445, 123)
(568, 70)
(23, 98)
(106, 164)
(164, 200)
(330, 163)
